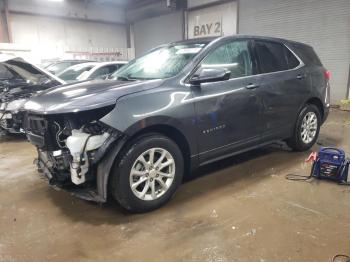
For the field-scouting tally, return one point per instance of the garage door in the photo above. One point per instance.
(152, 32)
(323, 24)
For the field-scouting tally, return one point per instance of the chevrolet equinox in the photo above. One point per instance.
(178, 107)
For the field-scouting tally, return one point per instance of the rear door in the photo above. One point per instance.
(283, 87)
(228, 113)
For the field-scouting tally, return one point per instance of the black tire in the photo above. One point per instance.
(120, 180)
(3, 133)
(296, 142)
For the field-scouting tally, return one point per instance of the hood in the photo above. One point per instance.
(85, 96)
(20, 79)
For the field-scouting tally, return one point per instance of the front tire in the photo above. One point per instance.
(148, 173)
(306, 129)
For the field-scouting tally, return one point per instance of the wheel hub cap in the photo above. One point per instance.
(153, 173)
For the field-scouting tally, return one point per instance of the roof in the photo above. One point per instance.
(210, 39)
(112, 63)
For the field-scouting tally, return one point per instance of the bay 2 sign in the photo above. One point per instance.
(217, 20)
(207, 29)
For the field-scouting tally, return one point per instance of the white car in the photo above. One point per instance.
(90, 70)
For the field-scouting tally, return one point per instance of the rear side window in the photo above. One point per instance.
(292, 61)
(308, 55)
(271, 56)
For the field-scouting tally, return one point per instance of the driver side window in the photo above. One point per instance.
(234, 56)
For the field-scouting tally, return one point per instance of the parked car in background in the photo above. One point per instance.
(178, 107)
(89, 71)
(19, 80)
(59, 66)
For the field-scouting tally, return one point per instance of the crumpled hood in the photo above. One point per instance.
(23, 79)
(85, 96)
(19, 92)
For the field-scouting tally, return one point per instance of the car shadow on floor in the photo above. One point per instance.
(6, 137)
(243, 169)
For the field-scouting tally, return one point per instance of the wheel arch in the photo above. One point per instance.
(318, 103)
(105, 167)
(171, 132)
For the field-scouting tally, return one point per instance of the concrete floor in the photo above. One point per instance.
(239, 209)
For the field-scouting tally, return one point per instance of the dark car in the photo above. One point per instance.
(178, 107)
(19, 80)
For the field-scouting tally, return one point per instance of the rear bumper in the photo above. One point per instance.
(325, 113)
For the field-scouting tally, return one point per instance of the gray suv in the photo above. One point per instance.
(178, 107)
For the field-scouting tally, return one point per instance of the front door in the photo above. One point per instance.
(228, 112)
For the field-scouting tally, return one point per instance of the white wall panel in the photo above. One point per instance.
(36, 30)
(73, 9)
(50, 28)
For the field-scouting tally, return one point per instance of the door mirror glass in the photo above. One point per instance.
(206, 75)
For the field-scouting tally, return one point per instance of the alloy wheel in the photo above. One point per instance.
(309, 127)
(152, 174)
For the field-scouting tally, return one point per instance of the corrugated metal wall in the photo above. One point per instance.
(152, 32)
(325, 24)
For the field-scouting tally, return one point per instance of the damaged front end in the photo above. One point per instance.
(10, 116)
(19, 81)
(72, 150)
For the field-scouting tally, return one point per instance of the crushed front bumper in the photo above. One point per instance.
(95, 190)
(85, 192)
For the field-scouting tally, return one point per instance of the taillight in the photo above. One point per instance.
(327, 74)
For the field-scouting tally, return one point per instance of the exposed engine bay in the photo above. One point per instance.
(70, 146)
(11, 100)
(20, 80)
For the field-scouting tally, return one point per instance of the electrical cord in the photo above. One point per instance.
(303, 178)
(295, 177)
(336, 257)
(83, 151)
(308, 178)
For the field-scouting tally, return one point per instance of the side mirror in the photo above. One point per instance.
(206, 75)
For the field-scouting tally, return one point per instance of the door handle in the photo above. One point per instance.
(251, 86)
(301, 76)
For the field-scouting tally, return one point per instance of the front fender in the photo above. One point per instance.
(166, 106)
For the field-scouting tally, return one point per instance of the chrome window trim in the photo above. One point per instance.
(184, 80)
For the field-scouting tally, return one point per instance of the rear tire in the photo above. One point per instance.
(148, 173)
(306, 129)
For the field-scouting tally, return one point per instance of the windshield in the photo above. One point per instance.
(163, 62)
(74, 72)
(58, 67)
